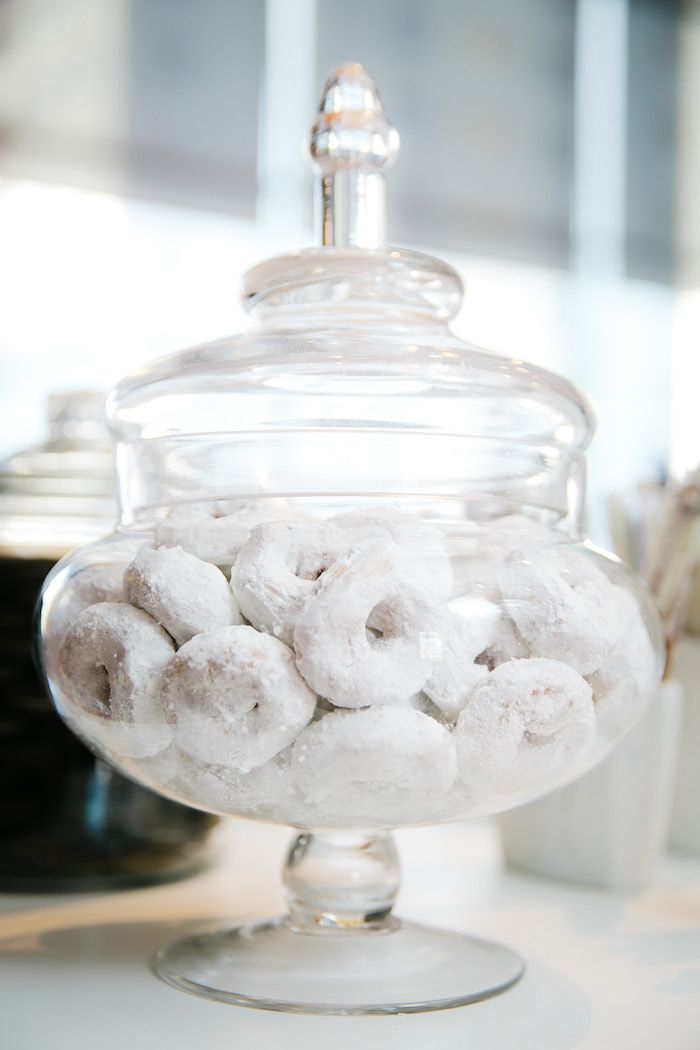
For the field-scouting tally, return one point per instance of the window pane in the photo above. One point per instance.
(482, 94)
(157, 98)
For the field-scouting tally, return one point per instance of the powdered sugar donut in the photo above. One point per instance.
(631, 672)
(467, 629)
(279, 567)
(157, 771)
(380, 764)
(111, 662)
(235, 697)
(477, 549)
(187, 596)
(423, 541)
(344, 662)
(563, 606)
(101, 582)
(528, 719)
(266, 791)
(141, 740)
(215, 532)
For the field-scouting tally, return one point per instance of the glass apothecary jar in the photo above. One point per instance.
(68, 821)
(355, 595)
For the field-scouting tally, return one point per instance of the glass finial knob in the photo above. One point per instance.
(351, 144)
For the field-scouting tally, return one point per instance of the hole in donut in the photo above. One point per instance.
(302, 572)
(382, 621)
(486, 659)
(100, 689)
(380, 624)
(311, 568)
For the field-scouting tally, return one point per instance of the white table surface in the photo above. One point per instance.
(604, 971)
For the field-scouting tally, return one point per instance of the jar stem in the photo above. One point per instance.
(341, 881)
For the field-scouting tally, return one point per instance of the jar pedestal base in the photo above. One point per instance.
(402, 968)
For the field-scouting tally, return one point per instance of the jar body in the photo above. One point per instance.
(365, 664)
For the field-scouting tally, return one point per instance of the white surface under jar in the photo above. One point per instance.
(350, 593)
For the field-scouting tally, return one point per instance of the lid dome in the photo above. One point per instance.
(349, 379)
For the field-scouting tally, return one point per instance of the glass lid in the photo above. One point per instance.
(60, 494)
(349, 378)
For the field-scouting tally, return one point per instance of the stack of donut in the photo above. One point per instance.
(333, 672)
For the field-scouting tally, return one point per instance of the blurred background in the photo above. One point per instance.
(150, 152)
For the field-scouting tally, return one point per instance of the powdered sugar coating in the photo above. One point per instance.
(139, 740)
(380, 764)
(111, 662)
(93, 583)
(279, 567)
(215, 532)
(524, 723)
(631, 672)
(267, 791)
(184, 594)
(339, 658)
(467, 628)
(235, 698)
(418, 538)
(562, 604)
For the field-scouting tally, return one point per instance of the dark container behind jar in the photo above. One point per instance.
(67, 821)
